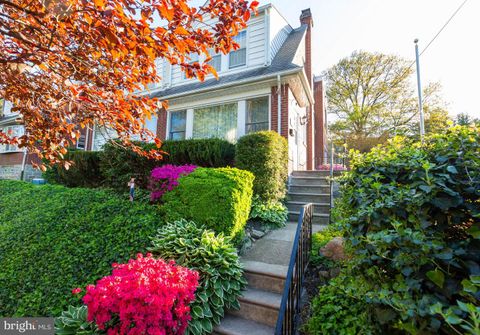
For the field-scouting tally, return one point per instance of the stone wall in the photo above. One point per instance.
(15, 171)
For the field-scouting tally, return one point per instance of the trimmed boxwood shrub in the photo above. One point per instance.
(84, 172)
(218, 198)
(54, 239)
(265, 154)
(412, 218)
(217, 262)
(118, 164)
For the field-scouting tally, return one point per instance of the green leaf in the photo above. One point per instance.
(437, 277)
(452, 169)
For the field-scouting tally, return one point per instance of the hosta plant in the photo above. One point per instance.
(216, 261)
(270, 213)
(74, 321)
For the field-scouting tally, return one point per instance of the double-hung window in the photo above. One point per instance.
(257, 115)
(216, 61)
(193, 58)
(11, 131)
(178, 125)
(238, 57)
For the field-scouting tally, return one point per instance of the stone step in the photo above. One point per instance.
(309, 189)
(316, 173)
(307, 181)
(259, 306)
(307, 197)
(264, 276)
(234, 325)
(318, 218)
(318, 207)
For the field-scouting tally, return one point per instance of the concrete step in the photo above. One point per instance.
(259, 306)
(234, 325)
(318, 218)
(309, 189)
(307, 197)
(264, 276)
(315, 173)
(307, 181)
(318, 207)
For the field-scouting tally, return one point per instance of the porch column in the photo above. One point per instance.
(189, 124)
(241, 118)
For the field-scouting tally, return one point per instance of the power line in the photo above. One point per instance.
(444, 26)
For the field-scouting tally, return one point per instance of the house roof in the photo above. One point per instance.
(282, 62)
(8, 120)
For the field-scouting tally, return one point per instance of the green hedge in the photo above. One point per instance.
(218, 198)
(265, 154)
(84, 172)
(412, 218)
(119, 164)
(54, 239)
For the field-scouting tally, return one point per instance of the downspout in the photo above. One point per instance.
(24, 162)
(86, 138)
(279, 105)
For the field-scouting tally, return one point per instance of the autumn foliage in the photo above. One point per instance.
(69, 64)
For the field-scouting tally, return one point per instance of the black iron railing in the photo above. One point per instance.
(302, 246)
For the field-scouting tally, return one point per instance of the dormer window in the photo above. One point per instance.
(216, 61)
(239, 57)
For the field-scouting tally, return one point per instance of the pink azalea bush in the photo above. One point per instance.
(336, 167)
(146, 296)
(165, 178)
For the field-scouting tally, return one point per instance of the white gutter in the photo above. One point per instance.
(220, 86)
(279, 104)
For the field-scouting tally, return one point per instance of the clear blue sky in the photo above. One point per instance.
(390, 26)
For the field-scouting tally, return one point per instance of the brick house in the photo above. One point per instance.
(267, 84)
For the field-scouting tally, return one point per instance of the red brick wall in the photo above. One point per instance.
(306, 18)
(284, 110)
(274, 109)
(12, 158)
(310, 147)
(320, 133)
(162, 124)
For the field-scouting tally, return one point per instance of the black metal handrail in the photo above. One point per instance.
(302, 246)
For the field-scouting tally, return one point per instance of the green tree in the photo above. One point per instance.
(372, 97)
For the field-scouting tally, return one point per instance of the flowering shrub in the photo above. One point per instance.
(145, 296)
(336, 167)
(165, 178)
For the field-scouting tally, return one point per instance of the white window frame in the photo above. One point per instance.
(84, 142)
(169, 122)
(230, 67)
(269, 106)
(217, 55)
(9, 148)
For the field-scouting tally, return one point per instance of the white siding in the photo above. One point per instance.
(279, 30)
(256, 41)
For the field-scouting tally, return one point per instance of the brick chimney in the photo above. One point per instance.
(306, 18)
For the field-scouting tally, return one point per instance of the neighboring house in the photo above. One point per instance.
(15, 163)
(267, 84)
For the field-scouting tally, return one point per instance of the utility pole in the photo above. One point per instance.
(419, 84)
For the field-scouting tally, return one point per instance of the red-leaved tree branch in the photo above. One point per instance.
(69, 64)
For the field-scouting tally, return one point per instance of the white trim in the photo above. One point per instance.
(241, 118)
(218, 100)
(189, 123)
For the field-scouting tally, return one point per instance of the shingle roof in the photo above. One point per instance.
(281, 62)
